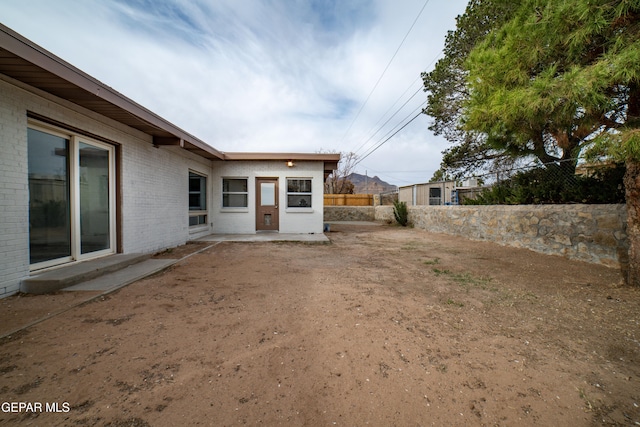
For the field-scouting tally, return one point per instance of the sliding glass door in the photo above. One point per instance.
(95, 215)
(71, 197)
(49, 197)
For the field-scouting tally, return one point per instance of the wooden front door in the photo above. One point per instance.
(267, 204)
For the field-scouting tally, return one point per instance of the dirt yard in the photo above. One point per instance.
(384, 326)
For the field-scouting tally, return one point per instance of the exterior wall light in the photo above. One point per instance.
(290, 163)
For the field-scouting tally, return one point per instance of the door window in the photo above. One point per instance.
(267, 194)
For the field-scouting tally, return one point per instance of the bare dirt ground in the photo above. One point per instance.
(384, 326)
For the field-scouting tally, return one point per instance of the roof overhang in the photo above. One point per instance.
(26, 62)
(330, 160)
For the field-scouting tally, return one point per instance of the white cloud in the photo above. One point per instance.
(260, 75)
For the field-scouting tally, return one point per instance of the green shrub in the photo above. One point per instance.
(401, 213)
(546, 186)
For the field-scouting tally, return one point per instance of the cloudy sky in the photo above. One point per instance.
(264, 75)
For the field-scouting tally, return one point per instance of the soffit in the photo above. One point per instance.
(30, 64)
(330, 160)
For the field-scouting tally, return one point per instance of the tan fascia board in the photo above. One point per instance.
(318, 157)
(330, 161)
(31, 52)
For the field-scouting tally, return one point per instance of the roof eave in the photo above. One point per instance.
(36, 55)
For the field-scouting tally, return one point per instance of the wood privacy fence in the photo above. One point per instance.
(348, 199)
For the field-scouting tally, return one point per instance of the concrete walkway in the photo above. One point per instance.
(266, 237)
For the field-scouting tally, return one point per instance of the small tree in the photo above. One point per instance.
(338, 182)
(401, 213)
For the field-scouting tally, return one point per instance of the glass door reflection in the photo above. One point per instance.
(95, 230)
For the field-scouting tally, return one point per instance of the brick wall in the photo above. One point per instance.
(153, 181)
(155, 196)
(14, 199)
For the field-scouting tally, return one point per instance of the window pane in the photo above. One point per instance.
(292, 186)
(94, 198)
(235, 200)
(197, 220)
(194, 182)
(197, 192)
(234, 185)
(194, 202)
(298, 201)
(299, 186)
(49, 197)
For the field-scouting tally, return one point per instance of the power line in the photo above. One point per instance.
(387, 176)
(388, 120)
(399, 109)
(384, 71)
(383, 142)
(396, 126)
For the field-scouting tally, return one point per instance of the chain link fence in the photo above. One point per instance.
(567, 181)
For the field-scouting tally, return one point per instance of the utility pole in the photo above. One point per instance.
(366, 181)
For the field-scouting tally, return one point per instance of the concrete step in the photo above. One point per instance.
(120, 278)
(74, 273)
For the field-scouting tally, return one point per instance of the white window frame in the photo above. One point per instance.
(74, 209)
(305, 209)
(245, 193)
(203, 213)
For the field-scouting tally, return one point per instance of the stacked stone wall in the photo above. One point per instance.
(591, 233)
(349, 213)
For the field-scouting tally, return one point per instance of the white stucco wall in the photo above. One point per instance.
(291, 220)
(153, 181)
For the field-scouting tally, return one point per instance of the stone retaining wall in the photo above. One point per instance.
(349, 213)
(591, 233)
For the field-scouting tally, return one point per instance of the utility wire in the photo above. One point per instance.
(383, 142)
(388, 120)
(367, 152)
(393, 105)
(385, 70)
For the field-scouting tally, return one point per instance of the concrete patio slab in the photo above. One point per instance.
(266, 237)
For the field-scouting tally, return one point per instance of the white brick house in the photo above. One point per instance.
(85, 172)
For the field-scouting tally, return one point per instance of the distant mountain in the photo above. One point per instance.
(369, 185)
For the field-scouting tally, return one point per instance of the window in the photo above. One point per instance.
(435, 196)
(298, 193)
(71, 196)
(197, 199)
(235, 193)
